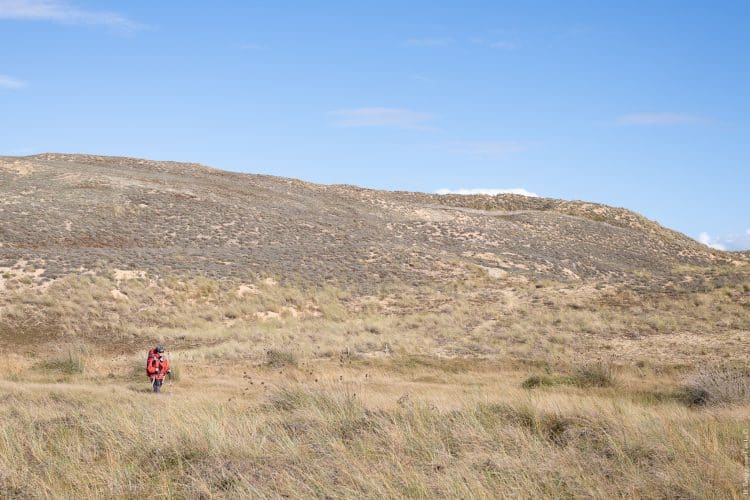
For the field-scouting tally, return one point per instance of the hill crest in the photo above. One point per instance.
(72, 212)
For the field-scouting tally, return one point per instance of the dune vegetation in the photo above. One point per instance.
(473, 388)
(339, 342)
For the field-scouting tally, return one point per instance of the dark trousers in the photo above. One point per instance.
(156, 383)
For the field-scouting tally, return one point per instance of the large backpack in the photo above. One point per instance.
(152, 363)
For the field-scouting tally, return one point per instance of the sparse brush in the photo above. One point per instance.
(375, 330)
(717, 386)
(71, 363)
(538, 381)
(176, 373)
(278, 358)
(594, 374)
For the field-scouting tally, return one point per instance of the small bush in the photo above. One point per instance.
(597, 374)
(538, 381)
(137, 371)
(717, 386)
(70, 363)
(176, 374)
(279, 358)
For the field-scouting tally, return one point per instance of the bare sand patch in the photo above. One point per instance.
(431, 215)
(243, 290)
(20, 271)
(118, 295)
(124, 275)
(18, 167)
(494, 272)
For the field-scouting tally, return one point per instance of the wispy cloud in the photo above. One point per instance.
(487, 148)
(489, 191)
(7, 82)
(503, 45)
(382, 117)
(502, 42)
(429, 42)
(64, 13)
(731, 241)
(711, 241)
(661, 118)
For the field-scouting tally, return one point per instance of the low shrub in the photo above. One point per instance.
(538, 381)
(70, 363)
(596, 374)
(176, 374)
(717, 386)
(276, 358)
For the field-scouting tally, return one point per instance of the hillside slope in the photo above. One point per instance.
(338, 342)
(70, 213)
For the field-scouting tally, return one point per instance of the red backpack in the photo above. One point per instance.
(152, 363)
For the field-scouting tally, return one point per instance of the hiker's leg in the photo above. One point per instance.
(157, 385)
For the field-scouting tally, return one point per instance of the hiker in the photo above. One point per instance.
(157, 367)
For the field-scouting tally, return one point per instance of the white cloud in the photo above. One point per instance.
(730, 241)
(660, 119)
(429, 42)
(710, 241)
(382, 117)
(487, 148)
(492, 192)
(7, 82)
(62, 12)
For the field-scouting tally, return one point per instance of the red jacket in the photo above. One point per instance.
(157, 365)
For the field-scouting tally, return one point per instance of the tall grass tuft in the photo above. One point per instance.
(594, 374)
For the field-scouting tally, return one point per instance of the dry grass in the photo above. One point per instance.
(365, 429)
(477, 318)
(462, 347)
(596, 374)
(463, 391)
(276, 358)
(70, 363)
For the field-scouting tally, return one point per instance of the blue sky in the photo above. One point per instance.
(644, 105)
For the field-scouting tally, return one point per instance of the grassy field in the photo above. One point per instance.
(477, 388)
(407, 427)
